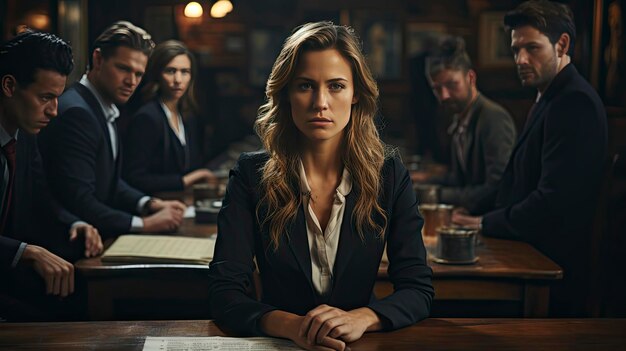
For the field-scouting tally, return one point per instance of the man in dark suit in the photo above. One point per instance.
(33, 72)
(483, 133)
(81, 149)
(548, 190)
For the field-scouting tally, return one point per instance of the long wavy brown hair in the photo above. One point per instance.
(363, 153)
(161, 56)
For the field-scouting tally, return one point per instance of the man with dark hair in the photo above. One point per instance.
(548, 190)
(33, 71)
(483, 133)
(81, 149)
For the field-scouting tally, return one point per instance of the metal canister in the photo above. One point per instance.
(456, 244)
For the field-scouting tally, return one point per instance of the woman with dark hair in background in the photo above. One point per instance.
(316, 208)
(161, 149)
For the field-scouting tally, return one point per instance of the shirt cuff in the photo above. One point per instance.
(77, 223)
(136, 225)
(18, 254)
(142, 202)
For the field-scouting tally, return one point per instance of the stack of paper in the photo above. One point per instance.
(157, 343)
(160, 249)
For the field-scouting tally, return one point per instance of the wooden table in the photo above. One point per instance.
(431, 334)
(147, 291)
(506, 271)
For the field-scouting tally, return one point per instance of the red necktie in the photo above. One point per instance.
(9, 153)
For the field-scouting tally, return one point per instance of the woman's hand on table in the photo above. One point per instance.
(287, 325)
(326, 321)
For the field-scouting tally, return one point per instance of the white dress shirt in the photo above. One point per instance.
(323, 244)
(180, 132)
(111, 113)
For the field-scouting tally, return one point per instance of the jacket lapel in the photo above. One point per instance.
(537, 114)
(349, 240)
(177, 148)
(5, 182)
(468, 143)
(299, 245)
(534, 118)
(172, 143)
(20, 185)
(186, 150)
(97, 110)
(469, 136)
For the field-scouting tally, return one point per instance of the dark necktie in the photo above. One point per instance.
(458, 140)
(9, 154)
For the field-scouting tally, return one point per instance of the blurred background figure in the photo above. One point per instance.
(162, 152)
(482, 131)
(549, 189)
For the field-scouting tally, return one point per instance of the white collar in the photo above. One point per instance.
(343, 189)
(111, 112)
(5, 137)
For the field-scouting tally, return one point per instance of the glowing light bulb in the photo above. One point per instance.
(193, 10)
(221, 8)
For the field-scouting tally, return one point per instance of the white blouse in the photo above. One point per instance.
(323, 245)
(180, 133)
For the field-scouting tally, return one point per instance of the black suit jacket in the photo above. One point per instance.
(154, 158)
(35, 217)
(79, 164)
(548, 190)
(489, 140)
(286, 273)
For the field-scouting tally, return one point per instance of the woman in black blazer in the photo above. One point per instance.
(316, 209)
(161, 153)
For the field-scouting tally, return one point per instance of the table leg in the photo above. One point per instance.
(536, 300)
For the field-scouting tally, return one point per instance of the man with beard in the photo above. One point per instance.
(548, 190)
(483, 133)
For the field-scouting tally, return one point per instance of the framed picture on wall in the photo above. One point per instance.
(494, 45)
(265, 44)
(381, 35)
(609, 52)
(421, 36)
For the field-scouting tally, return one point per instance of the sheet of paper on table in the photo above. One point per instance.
(160, 249)
(157, 343)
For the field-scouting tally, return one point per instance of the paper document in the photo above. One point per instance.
(154, 343)
(160, 249)
(190, 212)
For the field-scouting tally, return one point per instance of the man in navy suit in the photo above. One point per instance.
(33, 72)
(81, 149)
(548, 191)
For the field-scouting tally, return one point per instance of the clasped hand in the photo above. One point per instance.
(330, 328)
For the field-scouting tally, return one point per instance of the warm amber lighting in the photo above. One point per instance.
(193, 10)
(38, 21)
(221, 8)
